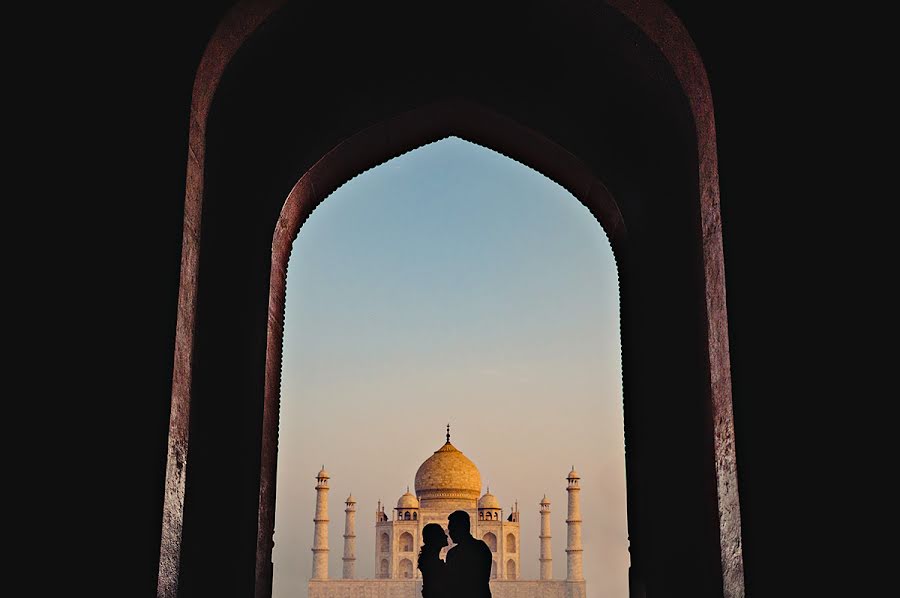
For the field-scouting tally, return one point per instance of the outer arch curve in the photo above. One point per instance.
(666, 31)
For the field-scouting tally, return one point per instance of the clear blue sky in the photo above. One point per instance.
(452, 284)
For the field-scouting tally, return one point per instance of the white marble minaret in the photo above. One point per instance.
(546, 558)
(350, 539)
(320, 537)
(573, 521)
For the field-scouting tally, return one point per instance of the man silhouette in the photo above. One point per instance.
(469, 562)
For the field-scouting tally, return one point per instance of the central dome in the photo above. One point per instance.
(448, 475)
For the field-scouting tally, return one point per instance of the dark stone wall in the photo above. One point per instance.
(161, 51)
(592, 83)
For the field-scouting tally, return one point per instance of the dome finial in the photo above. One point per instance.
(448, 432)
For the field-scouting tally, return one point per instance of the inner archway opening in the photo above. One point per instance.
(451, 284)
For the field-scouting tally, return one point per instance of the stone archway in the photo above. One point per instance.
(714, 439)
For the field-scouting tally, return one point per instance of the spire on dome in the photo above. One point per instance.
(448, 433)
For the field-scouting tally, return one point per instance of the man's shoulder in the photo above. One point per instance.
(481, 547)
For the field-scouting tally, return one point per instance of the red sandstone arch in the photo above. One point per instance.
(662, 27)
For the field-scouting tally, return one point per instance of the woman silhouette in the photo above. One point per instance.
(434, 576)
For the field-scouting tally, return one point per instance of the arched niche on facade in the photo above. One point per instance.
(406, 569)
(613, 104)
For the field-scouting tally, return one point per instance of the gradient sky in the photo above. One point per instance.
(452, 284)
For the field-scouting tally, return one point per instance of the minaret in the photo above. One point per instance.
(350, 538)
(573, 521)
(320, 537)
(546, 558)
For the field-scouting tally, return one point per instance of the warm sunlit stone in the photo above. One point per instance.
(448, 481)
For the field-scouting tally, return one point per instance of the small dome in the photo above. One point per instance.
(322, 473)
(488, 501)
(408, 501)
(573, 475)
(545, 500)
(350, 500)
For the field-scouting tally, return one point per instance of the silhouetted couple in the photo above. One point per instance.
(467, 572)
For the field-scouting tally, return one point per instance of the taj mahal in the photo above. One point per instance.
(447, 481)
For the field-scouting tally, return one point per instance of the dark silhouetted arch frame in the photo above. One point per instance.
(389, 139)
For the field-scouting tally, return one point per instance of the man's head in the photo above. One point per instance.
(459, 526)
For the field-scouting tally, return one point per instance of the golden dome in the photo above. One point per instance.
(448, 474)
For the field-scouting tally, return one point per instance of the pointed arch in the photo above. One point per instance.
(510, 542)
(663, 28)
(406, 569)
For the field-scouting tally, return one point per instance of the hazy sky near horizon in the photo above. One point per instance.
(452, 284)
